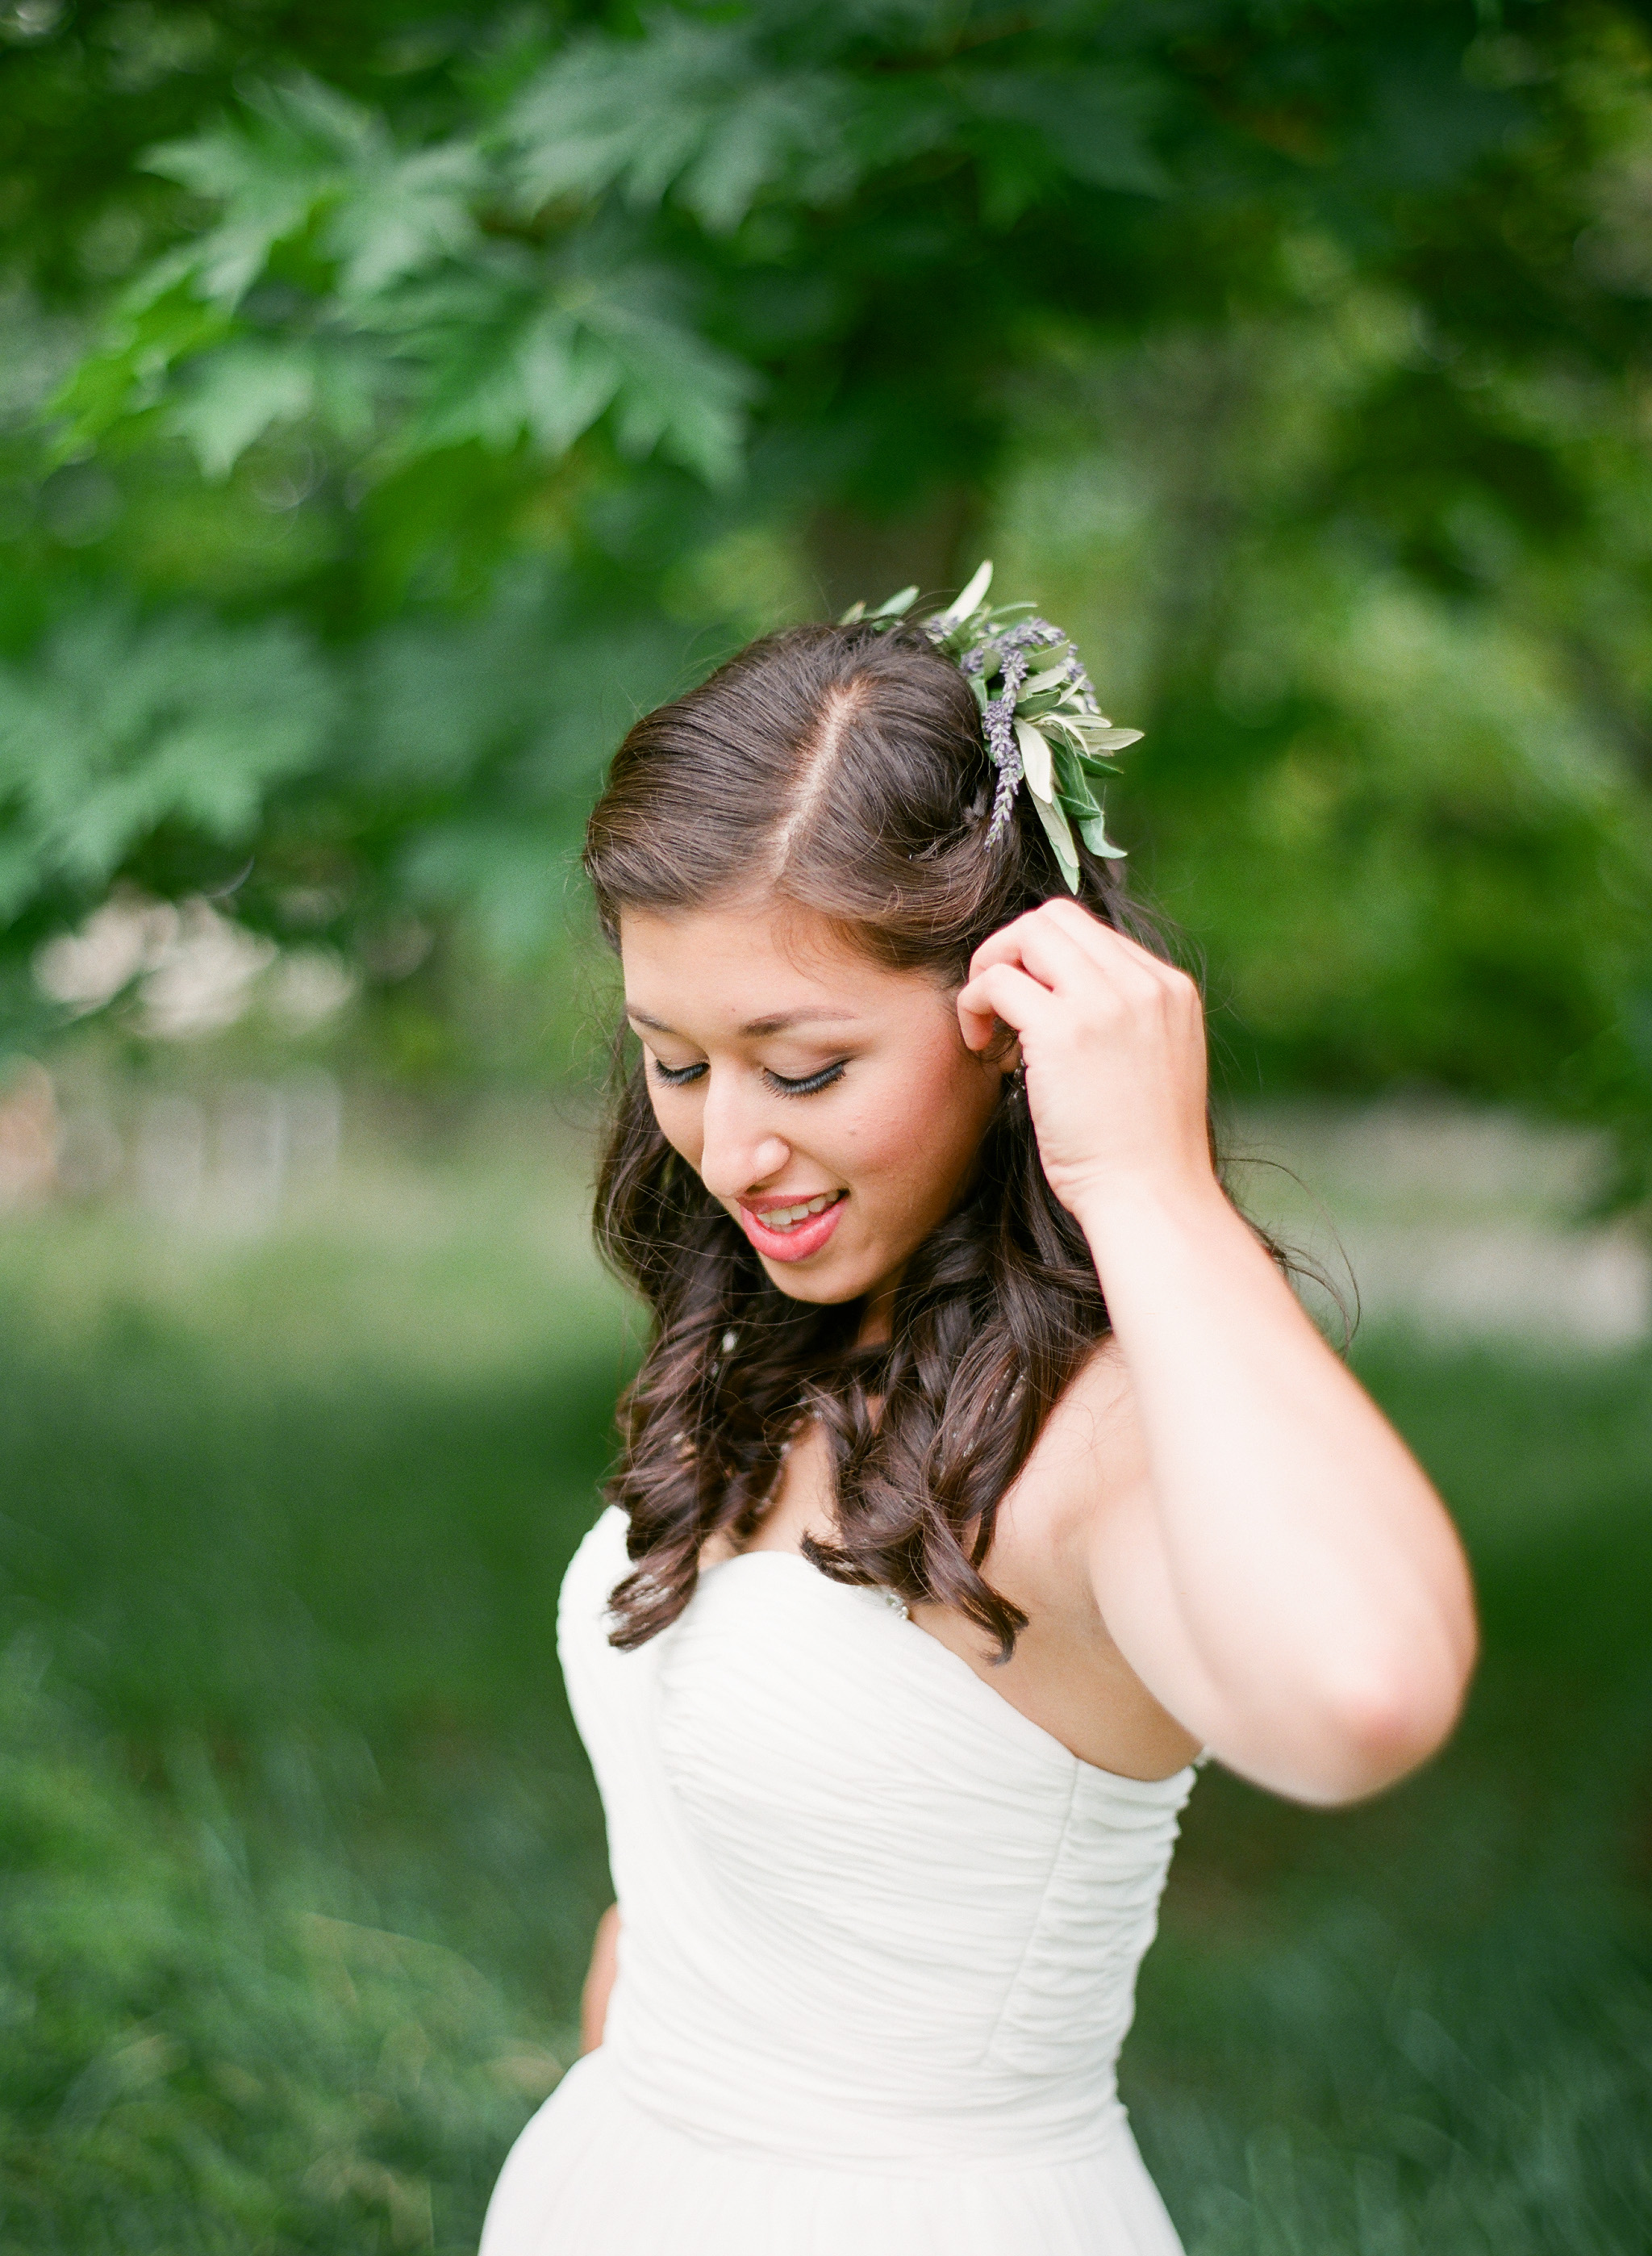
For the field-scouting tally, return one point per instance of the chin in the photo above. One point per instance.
(825, 1290)
(829, 1283)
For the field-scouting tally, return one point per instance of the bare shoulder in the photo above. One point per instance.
(1083, 1487)
(1088, 1461)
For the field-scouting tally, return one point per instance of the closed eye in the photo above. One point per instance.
(680, 1076)
(808, 1087)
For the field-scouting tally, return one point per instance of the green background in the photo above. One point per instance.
(390, 404)
(301, 1859)
(393, 403)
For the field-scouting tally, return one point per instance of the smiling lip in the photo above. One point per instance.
(801, 1240)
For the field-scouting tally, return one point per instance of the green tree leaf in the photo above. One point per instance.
(236, 393)
(119, 726)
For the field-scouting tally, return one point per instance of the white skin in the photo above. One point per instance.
(1218, 1540)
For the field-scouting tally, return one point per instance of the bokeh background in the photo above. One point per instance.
(392, 402)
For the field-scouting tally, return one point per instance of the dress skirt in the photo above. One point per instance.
(593, 2174)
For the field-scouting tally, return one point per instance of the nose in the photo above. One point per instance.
(741, 1150)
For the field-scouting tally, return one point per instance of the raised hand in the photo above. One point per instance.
(1282, 1577)
(1112, 1043)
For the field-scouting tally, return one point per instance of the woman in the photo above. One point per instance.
(982, 1471)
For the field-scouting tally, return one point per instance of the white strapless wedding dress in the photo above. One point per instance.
(880, 1942)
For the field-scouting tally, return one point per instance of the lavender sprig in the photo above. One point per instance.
(1069, 732)
(1002, 745)
(1002, 748)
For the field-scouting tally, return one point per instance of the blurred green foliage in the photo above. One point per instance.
(301, 1859)
(195, 2061)
(395, 402)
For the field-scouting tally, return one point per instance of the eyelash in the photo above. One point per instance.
(808, 1087)
(679, 1077)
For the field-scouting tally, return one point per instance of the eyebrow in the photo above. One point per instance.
(778, 1022)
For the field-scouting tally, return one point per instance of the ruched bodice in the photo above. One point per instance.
(875, 1922)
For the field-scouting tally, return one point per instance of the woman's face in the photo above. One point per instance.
(829, 1103)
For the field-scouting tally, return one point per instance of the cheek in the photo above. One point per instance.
(678, 1123)
(918, 1124)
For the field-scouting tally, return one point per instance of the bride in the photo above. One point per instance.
(983, 1475)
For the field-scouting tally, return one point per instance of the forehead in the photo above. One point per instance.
(737, 963)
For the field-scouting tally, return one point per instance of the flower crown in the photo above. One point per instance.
(1043, 727)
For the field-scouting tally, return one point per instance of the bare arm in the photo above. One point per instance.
(1283, 1580)
(599, 1981)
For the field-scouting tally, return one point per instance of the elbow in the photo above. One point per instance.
(1383, 1722)
(1375, 1701)
(1391, 1702)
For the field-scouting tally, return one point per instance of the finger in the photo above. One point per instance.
(1105, 943)
(1130, 969)
(1169, 977)
(1035, 946)
(1001, 991)
(1050, 950)
(1004, 945)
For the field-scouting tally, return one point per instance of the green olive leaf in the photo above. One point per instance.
(1060, 838)
(1094, 835)
(969, 602)
(1074, 793)
(1036, 760)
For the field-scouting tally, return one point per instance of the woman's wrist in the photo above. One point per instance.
(1174, 1257)
(1125, 1211)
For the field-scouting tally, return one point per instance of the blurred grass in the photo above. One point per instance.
(301, 1857)
(1425, 2025)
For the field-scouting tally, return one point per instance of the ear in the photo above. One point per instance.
(993, 1043)
(1001, 1050)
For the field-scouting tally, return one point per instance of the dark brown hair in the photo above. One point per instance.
(843, 771)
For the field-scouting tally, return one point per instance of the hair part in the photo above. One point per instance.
(842, 771)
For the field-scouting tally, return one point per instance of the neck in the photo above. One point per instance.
(875, 1320)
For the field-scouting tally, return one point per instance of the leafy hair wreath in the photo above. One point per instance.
(1043, 727)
